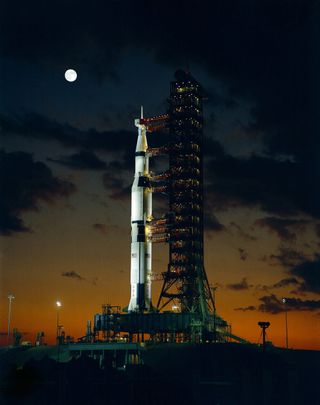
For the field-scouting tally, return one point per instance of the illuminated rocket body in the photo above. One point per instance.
(141, 215)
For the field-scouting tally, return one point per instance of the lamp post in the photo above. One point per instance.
(10, 297)
(58, 305)
(286, 318)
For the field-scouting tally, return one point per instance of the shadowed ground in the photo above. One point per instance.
(224, 374)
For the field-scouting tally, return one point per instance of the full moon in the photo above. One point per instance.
(70, 75)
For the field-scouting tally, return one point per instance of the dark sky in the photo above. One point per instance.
(67, 153)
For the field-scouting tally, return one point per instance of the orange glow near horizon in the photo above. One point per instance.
(35, 310)
(30, 319)
(34, 268)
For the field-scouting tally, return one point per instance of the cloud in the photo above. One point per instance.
(309, 272)
(241, 233)
(250, 182)
(105, 229)
(25, 184)
(244, 309)
(242, 285)
(243, 254)
(102, 228)
(285, 282)
(98, 37)
(211, 223)
(271, 304)
(262, 53)
(303, 271)
(274, 305)
(282, 227)
(37, 126)
(84, 160)
(74, 275)
(117, 187)
(287, 257)
(230, 181)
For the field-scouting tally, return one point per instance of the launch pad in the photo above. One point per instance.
(159, 327)
(185, 284)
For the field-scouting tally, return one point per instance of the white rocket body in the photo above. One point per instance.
(141, 215)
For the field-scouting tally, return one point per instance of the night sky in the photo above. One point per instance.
(67, 155)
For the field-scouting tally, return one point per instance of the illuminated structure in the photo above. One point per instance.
(185, 284)
(185, 281)
(141, 215)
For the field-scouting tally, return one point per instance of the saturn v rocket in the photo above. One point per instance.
(141, 216)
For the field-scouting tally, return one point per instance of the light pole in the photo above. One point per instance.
(286, 318)
(10, 297)
(58, 305)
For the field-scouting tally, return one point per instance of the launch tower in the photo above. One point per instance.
(185, 281)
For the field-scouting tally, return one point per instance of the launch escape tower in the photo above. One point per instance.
(185, 281)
